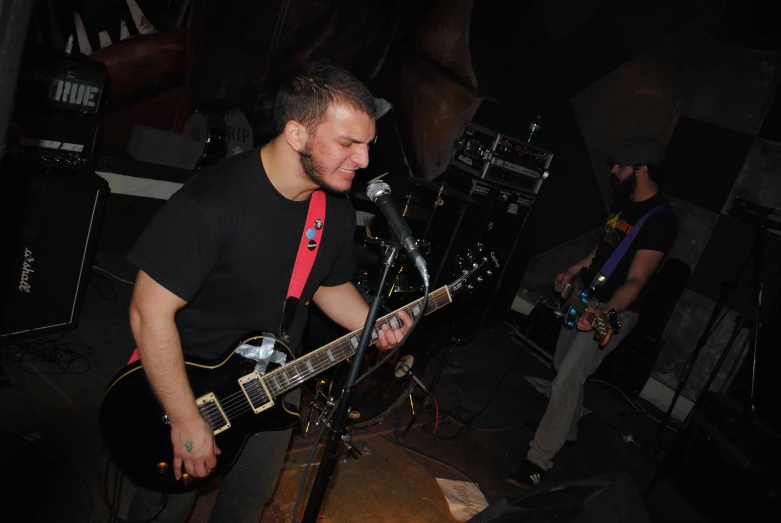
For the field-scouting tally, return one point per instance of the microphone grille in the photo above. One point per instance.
(375, 189)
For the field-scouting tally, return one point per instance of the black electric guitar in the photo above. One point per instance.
(575, 297)
(238, 394)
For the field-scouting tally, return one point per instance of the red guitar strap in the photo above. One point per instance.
(305, 259)
(310, 242)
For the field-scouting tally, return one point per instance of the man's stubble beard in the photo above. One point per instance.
(315, 171)
(623, 190)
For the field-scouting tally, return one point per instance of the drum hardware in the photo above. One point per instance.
(314, 404)
(430, 390)
(443, 189)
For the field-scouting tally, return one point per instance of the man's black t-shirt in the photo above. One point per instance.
(656, 234)
(226, 243)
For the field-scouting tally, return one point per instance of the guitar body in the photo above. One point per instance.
(135, 428)
(575, 297)
(574, 291)
(240, 394)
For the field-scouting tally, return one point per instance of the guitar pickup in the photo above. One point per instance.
(212, 412)
(256, 392)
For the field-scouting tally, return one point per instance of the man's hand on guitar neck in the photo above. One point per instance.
(562, 280)
(584, 323)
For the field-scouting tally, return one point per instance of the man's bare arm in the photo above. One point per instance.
(152, 312)
(585, 262)
(643, 267)
(345, 305)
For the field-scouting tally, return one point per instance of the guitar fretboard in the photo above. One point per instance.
(298, 371)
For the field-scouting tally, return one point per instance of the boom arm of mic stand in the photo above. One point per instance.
(328, 461)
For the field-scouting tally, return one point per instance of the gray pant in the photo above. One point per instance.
(576, 358)
(244, 490)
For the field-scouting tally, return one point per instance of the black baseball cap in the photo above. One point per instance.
(642, 150)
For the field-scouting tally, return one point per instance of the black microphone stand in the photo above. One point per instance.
(338, 423)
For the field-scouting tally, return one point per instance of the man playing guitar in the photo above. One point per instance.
(635, 176)
(217, 260)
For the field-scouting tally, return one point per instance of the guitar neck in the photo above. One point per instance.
(298, 371)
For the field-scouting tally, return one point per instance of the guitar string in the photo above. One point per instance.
(234, 408)
(236, 403)
(319, 357)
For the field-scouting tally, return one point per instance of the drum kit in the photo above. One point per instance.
(383, 391)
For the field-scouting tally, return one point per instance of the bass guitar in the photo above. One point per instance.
(575, 297)
(238, 394)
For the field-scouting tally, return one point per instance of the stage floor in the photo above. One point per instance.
(394, 481)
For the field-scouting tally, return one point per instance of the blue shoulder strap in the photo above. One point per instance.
(615, 258)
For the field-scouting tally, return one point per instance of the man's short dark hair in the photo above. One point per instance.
(307, 95)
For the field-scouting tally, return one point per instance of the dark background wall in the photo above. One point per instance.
(700, 75)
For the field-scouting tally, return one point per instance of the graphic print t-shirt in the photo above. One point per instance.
(656, 234)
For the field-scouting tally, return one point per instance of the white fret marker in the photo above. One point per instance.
(309, 365)
(276, 381)
(374, 334)
(415, 310)
(394, 322)
(284, 373)
(330, 355)
(354, 342)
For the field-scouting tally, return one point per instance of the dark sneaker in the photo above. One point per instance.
(527, 476)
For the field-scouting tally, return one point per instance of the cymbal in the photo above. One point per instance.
(408, 210)
(444, 190)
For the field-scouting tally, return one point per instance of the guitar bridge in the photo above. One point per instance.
(212, 412)
(256, 392)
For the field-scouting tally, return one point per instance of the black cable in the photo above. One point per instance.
(112, 296)
(395, 350)
(468, 424)
(113, 509)
(34, 347)
(309, 460)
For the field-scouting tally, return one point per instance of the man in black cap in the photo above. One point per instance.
(637, 204)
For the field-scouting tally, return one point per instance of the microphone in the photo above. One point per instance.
(380, 194)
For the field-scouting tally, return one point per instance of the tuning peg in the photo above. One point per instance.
(489, 273)
(479, 279)
(479, 247)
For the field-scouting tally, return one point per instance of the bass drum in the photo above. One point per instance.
(380, 393)
(384, 390)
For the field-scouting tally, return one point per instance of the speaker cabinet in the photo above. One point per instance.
(495, 220)
(50, 222)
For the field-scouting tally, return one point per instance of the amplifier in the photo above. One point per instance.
(501, 159)
(68, 141)
(57, 110)
(51, 80)
(496, 221)
(51, 218)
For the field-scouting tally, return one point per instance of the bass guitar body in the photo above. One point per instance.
(575, 298)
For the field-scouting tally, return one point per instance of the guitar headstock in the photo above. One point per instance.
(605, 326)
(475, 268)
